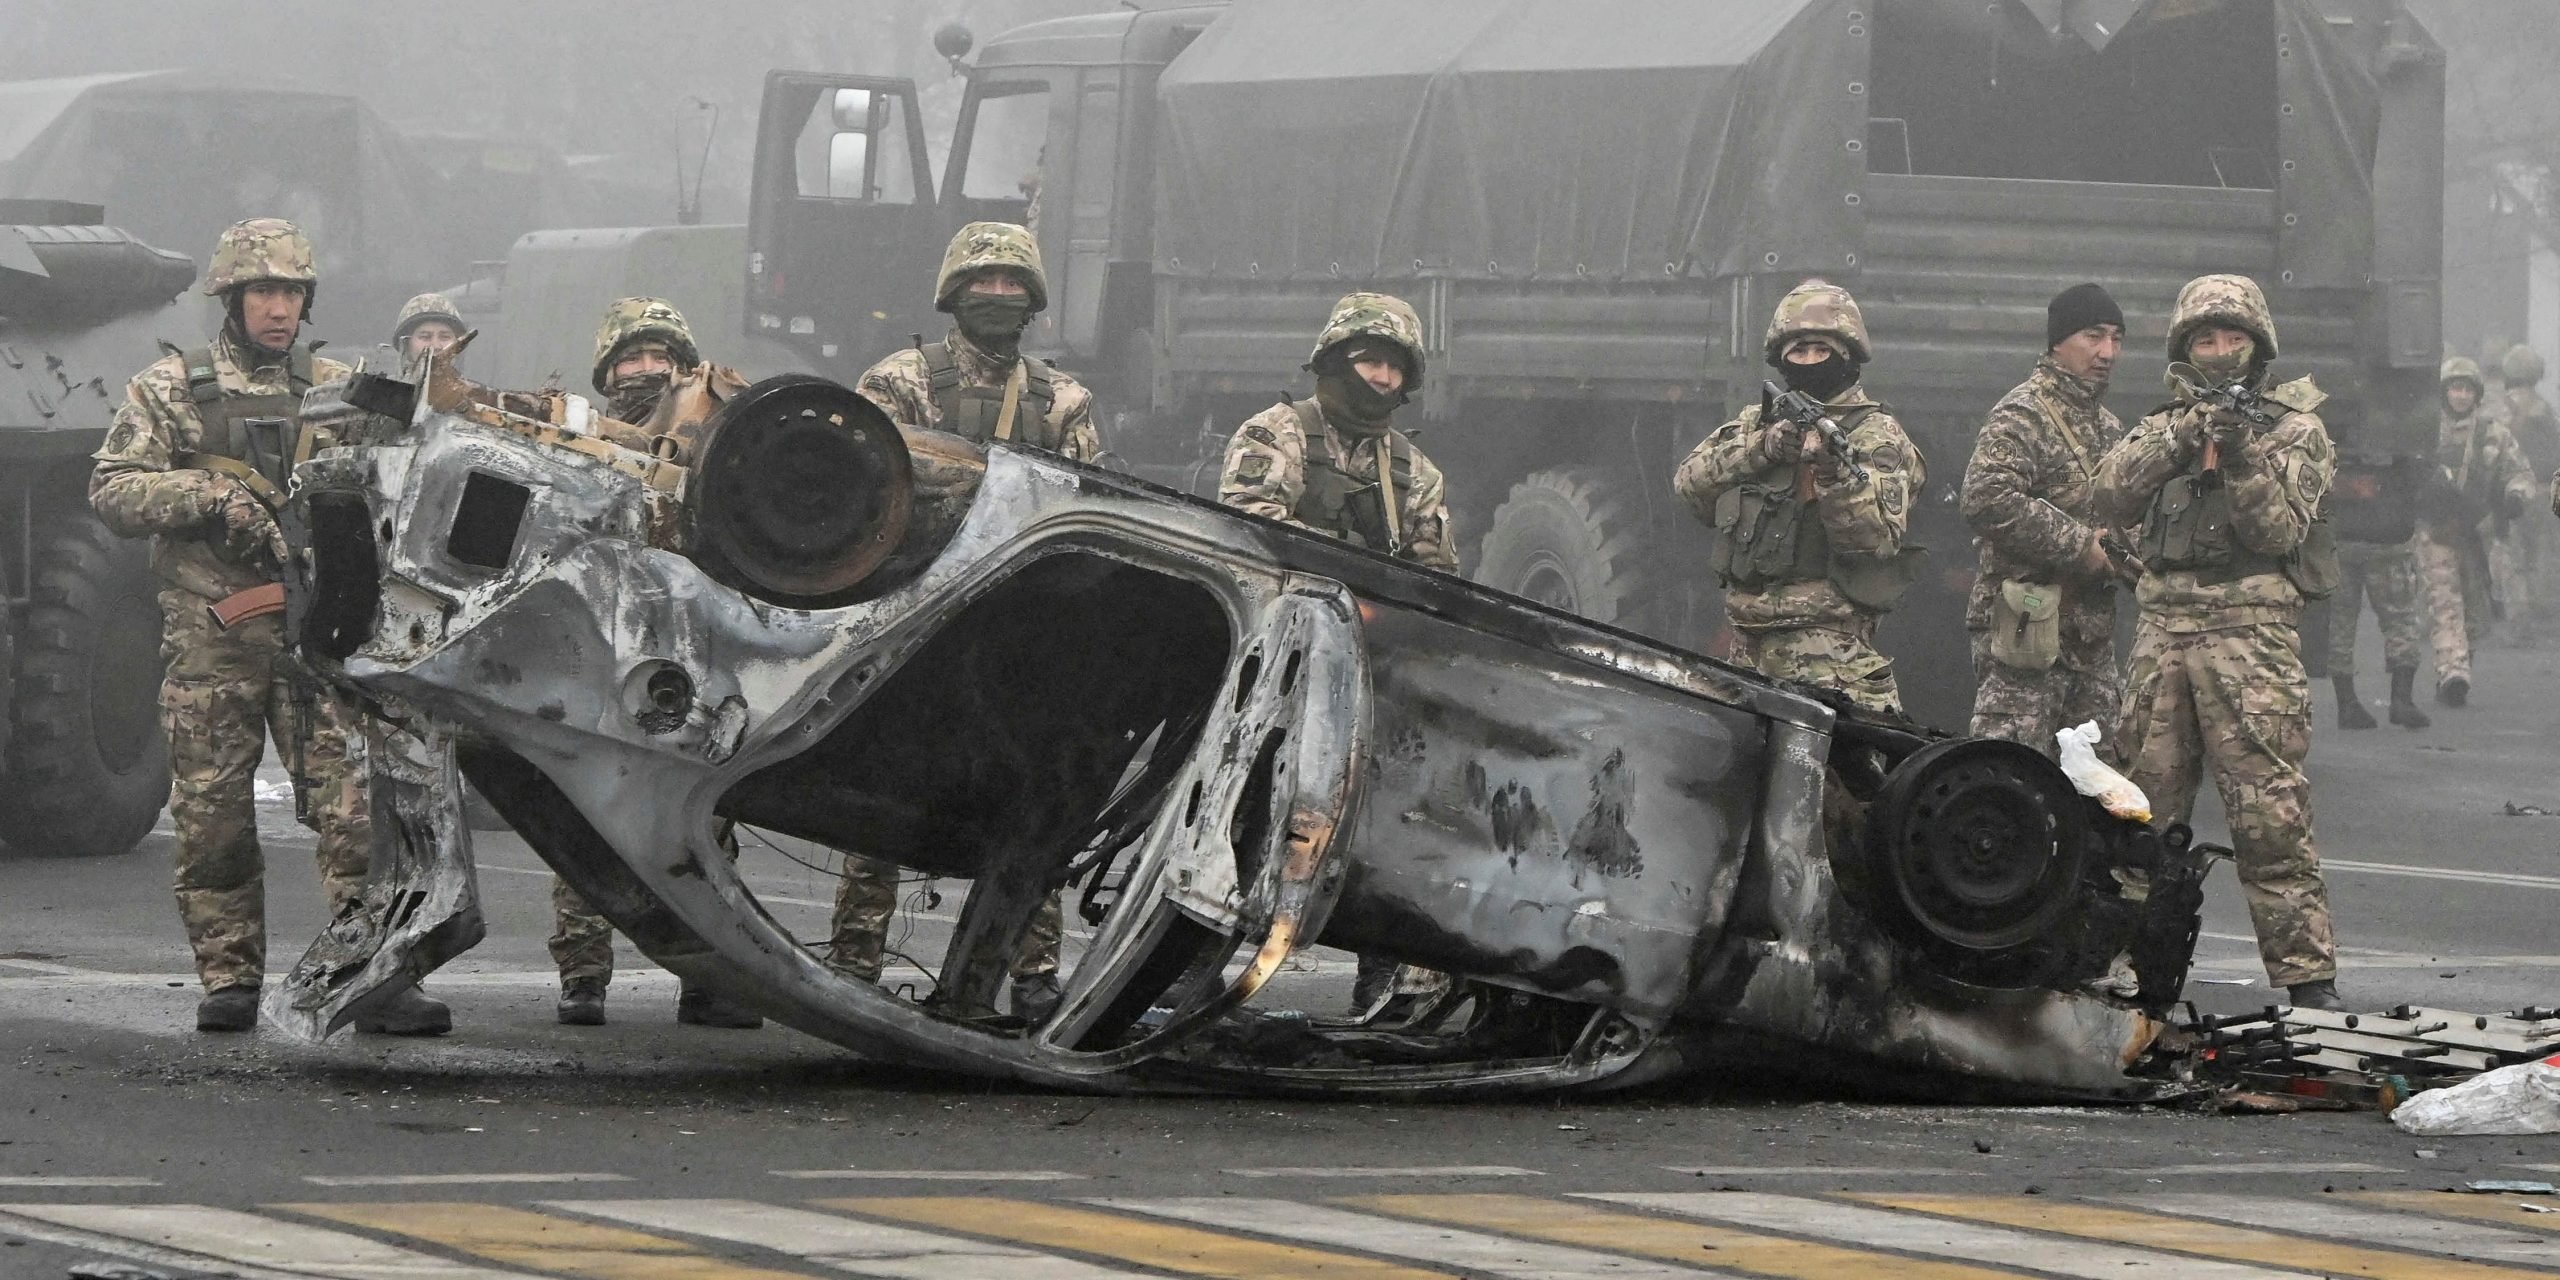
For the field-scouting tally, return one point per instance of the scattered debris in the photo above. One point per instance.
(2380, 1061)
(2514, 810)
(2510, 1187)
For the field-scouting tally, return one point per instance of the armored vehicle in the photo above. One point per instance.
(1594, 205)
(84, 770)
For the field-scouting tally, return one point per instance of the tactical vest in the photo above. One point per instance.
(977, 411)
(1769, 533)
(1339, 503)
(2188, 527)
(260, 436)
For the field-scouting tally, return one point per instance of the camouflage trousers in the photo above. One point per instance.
(2387, 575)
(582, 941)
(2031, 707)
(866, 900)
(224, 694)
(2235, 703)
(1845, 660)
(2457, 607)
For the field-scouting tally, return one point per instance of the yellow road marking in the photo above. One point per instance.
(1697, 1243)
(522, 1238)
(2187, 1235)
(2503, 1210)
(1189, 1251)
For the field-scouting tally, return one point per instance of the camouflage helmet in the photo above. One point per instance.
(261, 249)
(1375, 315)
(1822, 309)
(421, 309)
(981, 245)
(633, 319)
(2521, 366)
(2460, 369)
(2231, 301)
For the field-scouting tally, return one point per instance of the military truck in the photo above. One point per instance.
(84, 770)
(1595, 203)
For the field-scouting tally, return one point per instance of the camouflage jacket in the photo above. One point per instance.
(139, 490)
(2027, 497)
(2481, 458)
(2530, 420)
(1266, 475)
(902, 386)
(2276, 484)
(1860, 519)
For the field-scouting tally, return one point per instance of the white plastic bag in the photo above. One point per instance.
(2524, 1098)
(2096, 778)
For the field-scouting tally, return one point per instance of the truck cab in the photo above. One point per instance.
(848, 214)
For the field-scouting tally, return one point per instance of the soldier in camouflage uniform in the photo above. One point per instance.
(427, 323)
(198, 461)
(1334, 463)
(2483, 478)
(2532, 560)
(976, 383)
(2043, 610)
(1809, 554)
(1314, 463)
(643, 349)
(2216, 683)
(2386, 573)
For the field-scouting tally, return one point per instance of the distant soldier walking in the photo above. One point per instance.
(2534, 562)
(199, 460)
(1809, 547)
(975, 382)
(2383, 572)
(2043, 610)
(2483, 479)
(2216, 684)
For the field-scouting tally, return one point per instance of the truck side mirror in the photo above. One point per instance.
(852, 110)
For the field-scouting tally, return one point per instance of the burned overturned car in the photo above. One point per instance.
(1229, 739)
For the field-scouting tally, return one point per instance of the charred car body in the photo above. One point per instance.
(1233, 739)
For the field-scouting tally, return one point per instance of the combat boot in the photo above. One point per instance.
(582, 1002)
(407, 1012)
(2351, 712)
(704, 1007)
(2317, 995)
(1036, 996)
(233, 1008)
(2404, 700)
(2454, 691)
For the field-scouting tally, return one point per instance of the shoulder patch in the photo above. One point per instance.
(2299, 395)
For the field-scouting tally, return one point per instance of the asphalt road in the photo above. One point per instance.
(644, 1148)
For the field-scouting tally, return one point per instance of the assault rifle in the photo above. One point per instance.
(2235, 397)
(1808, 413)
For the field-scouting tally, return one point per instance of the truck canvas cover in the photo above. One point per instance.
(1633, 139)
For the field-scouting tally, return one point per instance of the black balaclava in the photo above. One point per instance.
(1823, 379)
(993, 322)
(1349, 402)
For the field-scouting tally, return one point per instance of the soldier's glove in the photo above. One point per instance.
(249, 532)
(1781, 441)
(2510, 505)
(2188, 426)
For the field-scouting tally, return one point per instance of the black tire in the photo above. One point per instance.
(1571, 540)
(87, 767)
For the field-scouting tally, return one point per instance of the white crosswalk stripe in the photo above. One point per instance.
(256, 1240)
(847, 1244)
(1477, 1253)
(1911, 1233)
(2362, 1223)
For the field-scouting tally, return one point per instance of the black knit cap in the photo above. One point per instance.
(2077, 308)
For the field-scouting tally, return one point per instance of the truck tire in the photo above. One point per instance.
(87, 770)
(1566, 539)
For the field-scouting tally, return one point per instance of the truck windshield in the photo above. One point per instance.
(1006, 149)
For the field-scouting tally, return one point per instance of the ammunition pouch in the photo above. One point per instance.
(2313, 566)
(978, 412)
(1766, 535)
(2026, 625)
(1339, 503)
